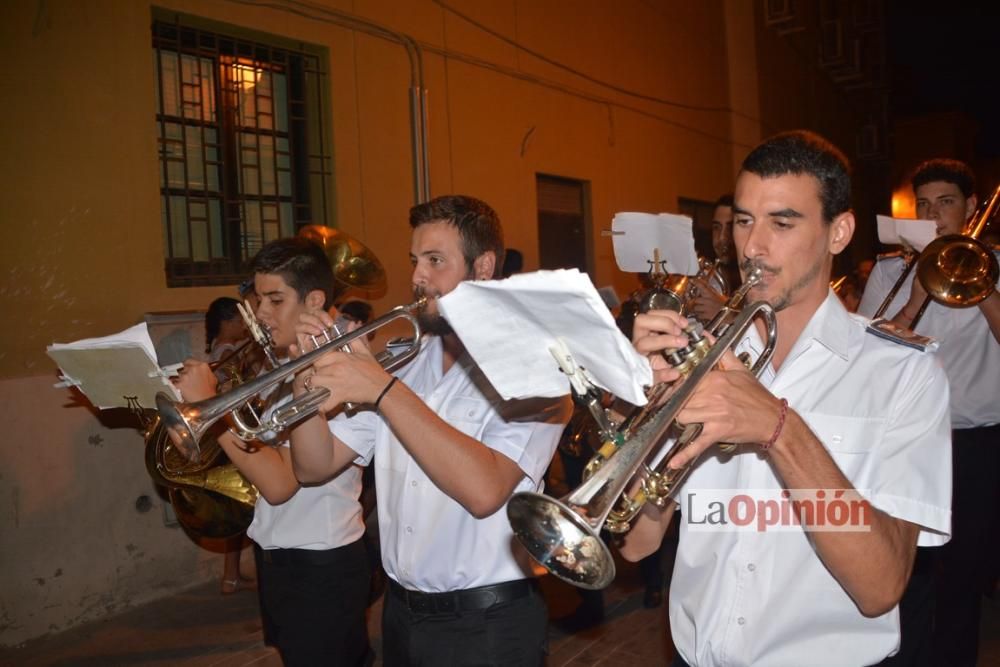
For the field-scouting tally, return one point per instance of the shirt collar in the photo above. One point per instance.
(830, 326)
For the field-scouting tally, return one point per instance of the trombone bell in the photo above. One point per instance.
(959, 272)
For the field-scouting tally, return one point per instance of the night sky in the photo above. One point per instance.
(945, 56)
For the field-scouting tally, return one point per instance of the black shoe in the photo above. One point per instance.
(583, 618)
(653, 598)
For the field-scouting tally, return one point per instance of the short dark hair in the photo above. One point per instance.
(359, 311)
(221, 310)
(725, 200)
(478, 225)
(950, 171)
(513, 262)
(301, 263)
(804, 152)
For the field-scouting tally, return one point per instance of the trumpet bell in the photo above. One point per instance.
(669, 294)
(959, 272)
(561, 540)
(184, 421)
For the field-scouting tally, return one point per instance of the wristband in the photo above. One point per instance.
(777, 431)
(384, 392)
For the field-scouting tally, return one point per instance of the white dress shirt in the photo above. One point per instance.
(765, 598)
(429, 541)
(320, 517)
(968, 351)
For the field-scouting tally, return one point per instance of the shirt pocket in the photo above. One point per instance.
(850, 441)
(466, 414)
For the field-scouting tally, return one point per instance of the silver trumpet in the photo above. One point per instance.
(564, 535)
(191, 421)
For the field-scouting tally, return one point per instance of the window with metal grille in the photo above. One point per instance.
(241, 149)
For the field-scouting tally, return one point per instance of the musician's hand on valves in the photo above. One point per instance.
(656, 331)
(196, 381)
(310, 332)
(732, 406)
(354, 377)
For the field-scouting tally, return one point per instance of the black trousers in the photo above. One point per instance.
(916, 614)
(507, 634)
(966, 561)
(313, 604)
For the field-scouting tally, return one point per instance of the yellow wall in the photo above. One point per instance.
(82, 252)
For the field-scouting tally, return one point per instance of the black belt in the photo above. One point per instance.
(316, 557)
(468, 599)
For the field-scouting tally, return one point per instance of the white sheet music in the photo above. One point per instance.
(509, 325)
(110, 368)
(914, 233)
(637, 237)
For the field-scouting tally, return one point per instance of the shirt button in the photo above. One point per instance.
(741, 620)
(751, 567)
(413, 483)
(409, 529)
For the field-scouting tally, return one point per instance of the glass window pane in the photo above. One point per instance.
(208, 90)
(195, 163)
(165, 226)
(287, 220)
(284, 155)
(253, 232)
(178, 228)
(169, 82)
(284, 184)
(267, 176)
(248, 181)
(175, 174)
(215, 223)
(199, 240)
(280, 102)
(247, 107)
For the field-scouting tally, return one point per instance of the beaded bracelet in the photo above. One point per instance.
(384, 392)
(777, 431)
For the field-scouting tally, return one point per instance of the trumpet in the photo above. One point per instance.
(675, 291)
(564, 535)
(189, 422)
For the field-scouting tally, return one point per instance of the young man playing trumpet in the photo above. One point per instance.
(312, 568)
(838, 413)
(969, 351)
(448, 454)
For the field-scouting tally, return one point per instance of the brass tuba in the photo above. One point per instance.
(564, 535)
(210, 497)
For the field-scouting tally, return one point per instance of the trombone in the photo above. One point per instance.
(564, 535)
(956, 270)
(190, 421)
